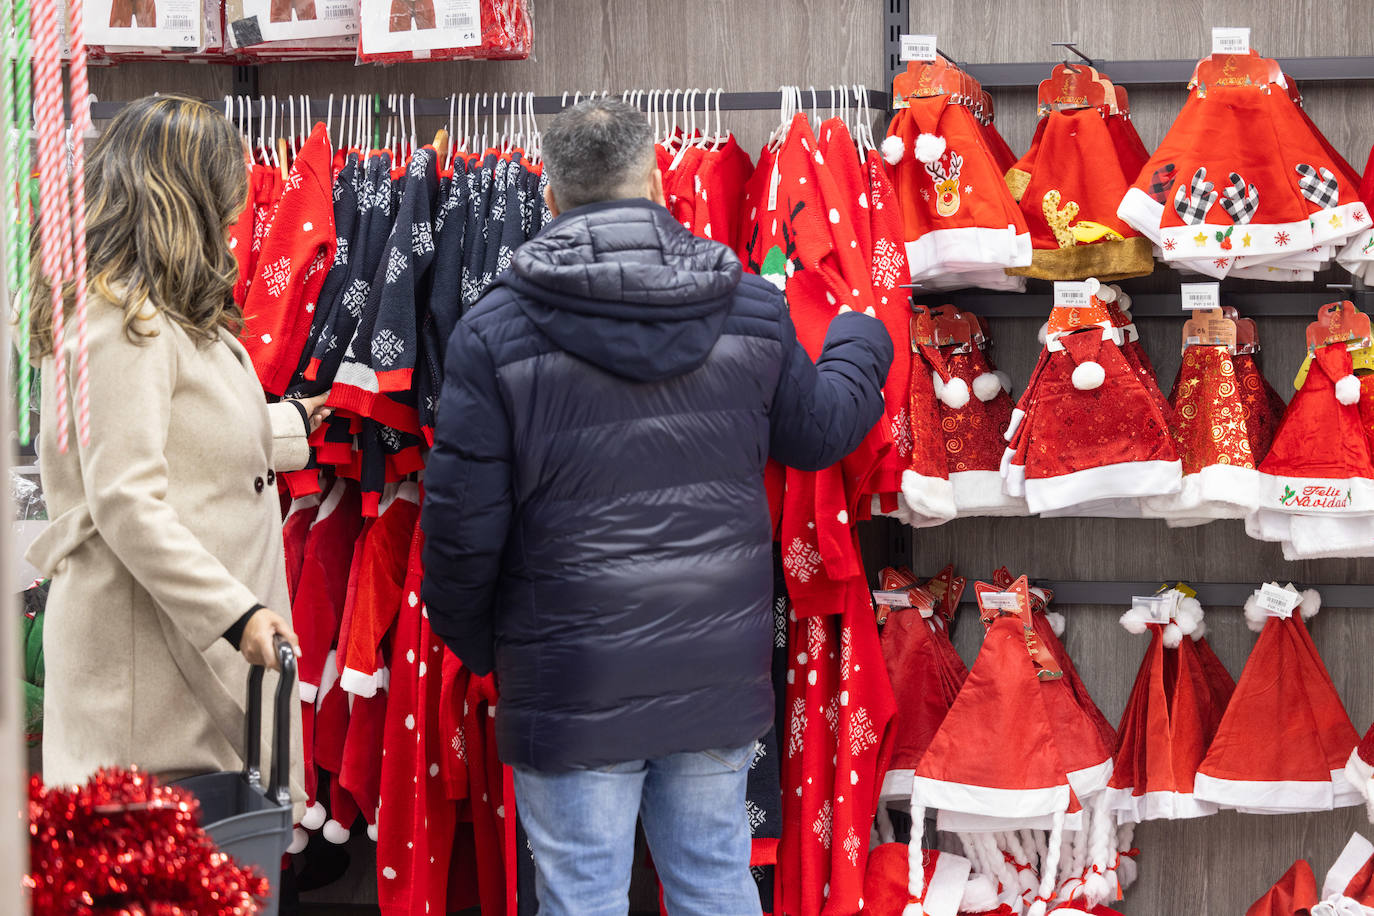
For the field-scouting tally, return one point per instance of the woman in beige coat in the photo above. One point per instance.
(165, 544)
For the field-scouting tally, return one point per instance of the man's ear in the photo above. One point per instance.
(550, 200)
(656, 187)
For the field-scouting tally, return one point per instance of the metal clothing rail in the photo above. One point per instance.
(1158, 72)
(1210, 594)
(502, 104)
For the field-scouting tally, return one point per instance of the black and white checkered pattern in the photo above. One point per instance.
(1193, 202)
(1318, 186)
(1162, 181)
(1239, 201)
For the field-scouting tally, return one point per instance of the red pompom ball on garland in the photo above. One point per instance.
(124, 845)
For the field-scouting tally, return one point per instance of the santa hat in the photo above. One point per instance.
(1220, 479)
(1349, 884)
(1100, 437)
(1359, 770)
(973, 442)
(927, 496)
(1284, 740)
(962, 227)
(1295, 892)
(995, 754)
(1320, 460)
(1069, 200)
(888, 890)
(1168, 722)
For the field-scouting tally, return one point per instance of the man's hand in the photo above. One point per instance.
(257, 642)
(315, 409)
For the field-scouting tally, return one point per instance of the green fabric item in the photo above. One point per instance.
(31, 632)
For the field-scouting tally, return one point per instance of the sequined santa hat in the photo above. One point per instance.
(1283, 742)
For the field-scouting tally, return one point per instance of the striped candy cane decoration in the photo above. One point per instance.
(22, 162)
(13, 190)
(81, 121)
(52, 186)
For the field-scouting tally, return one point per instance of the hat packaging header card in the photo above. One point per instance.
(145, 23)
(419, 26)
(252, 22)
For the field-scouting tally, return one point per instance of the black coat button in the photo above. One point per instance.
(271, 478)
(258, 484)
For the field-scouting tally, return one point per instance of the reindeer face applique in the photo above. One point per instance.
(946, 181)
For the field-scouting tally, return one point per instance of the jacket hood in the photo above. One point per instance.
(622, 285)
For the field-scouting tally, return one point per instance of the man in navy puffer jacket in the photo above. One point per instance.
(596, 526)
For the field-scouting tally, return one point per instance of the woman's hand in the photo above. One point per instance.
(316, 411)
(257, 642)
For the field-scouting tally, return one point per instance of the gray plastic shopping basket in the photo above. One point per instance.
(250, 824)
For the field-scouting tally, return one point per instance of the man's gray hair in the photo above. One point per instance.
(598, 150)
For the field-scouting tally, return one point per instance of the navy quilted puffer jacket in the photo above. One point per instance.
(596, 527)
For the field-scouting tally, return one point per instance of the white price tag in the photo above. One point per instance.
(1277, 601)
(897, 598)
(1156, 608)
(918, 47)
(773, 181)
(1000, 601)
(1071, 295)
(1200, 295)
(1230, 41)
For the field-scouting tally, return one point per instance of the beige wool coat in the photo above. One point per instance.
(166, 529)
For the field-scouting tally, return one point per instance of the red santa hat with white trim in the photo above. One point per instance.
(887, 888)
(1284, 740)
(1359, 770)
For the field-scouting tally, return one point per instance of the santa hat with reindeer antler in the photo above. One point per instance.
(962, 227)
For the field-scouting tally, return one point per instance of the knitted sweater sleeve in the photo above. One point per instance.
(468, 503)
(822, 411)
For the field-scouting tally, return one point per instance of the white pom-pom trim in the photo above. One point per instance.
(372, 832)
(299, 839)
(986, 386)
(1135, 622)
(1043, 335)
(1173, 636)
(1199, 631)
(1311, 603)
(314, 817)
(1056, 620)
(1004, 380)
(929, 148)
(1123, 298)
(1093, 286)
(1089, 375)
(1106, 293)
(1348, 390)
(954, 393)
(980, 895)
(335, 832)
(893, 148)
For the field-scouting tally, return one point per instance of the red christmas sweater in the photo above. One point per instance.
(292, 264)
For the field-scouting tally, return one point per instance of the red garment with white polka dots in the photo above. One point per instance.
(293, 261)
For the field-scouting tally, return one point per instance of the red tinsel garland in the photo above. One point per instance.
(123, 845)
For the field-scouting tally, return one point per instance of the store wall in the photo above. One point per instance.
(1215, 865)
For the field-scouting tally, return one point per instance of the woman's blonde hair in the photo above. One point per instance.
(163, 183)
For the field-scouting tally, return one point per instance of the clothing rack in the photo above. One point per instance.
(501, 104)
(1301, 303)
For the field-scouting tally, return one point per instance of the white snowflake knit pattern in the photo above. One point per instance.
(888, 261)
(796, 727)
(386, 346)
(340, 251)
(395, 265)
(391, 439)
(292, 183)
(821, 825)
(421, 238)
(862, 736)
(901, 432)
(276, 275)
(460, 745)
(355, 297)
(802, 561)
(756, 816)
(851, 848)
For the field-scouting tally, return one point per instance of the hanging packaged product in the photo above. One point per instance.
(252, 22)
(1317, 482)
(115, 25)
(399, 30)
(1090, 435)
(1083, 159)
(962, 226)
(1244, 184)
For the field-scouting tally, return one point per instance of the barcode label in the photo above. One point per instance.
(340, 12)
(178, 22)
(463, 19)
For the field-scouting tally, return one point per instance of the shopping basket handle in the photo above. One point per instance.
(278, 788)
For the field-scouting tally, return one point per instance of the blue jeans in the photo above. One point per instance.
(581, 828)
